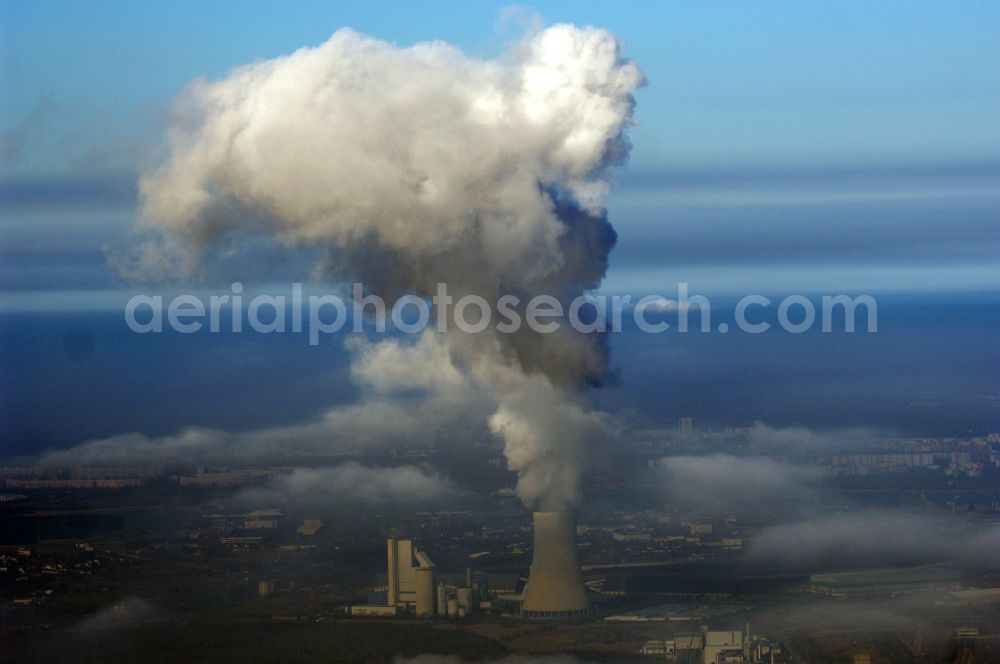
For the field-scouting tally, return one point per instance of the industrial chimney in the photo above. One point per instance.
(555, 588)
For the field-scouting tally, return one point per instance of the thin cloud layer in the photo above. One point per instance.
(412, 395)
(804, 439)
(352, 485)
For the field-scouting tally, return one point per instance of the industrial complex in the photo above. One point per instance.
(554, 589)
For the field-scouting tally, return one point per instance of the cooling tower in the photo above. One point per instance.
(555, 589)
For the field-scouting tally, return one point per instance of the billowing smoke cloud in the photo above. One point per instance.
(407, 167)
(547, 439)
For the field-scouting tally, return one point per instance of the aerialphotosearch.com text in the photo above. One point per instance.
(328, 314)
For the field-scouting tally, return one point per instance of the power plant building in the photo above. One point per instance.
(411, 583)
(554, 589)
(411, 578)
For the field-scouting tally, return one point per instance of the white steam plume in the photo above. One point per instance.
(408, 167)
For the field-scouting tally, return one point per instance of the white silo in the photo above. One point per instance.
(442, 599)
(464, 597)
(555, 588)
(425, 596)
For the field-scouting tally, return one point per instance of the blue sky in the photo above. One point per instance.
(730, 83)
(780, 146)
(798, 123)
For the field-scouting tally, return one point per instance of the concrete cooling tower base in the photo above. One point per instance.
(555, 588)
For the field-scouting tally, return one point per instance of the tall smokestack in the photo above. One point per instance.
(555, 588)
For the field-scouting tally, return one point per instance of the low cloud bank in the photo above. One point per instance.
(906, 612)
(876, 537)
(803, 439)
(412, 395)
(125, 613)
(352, 485)
(722, 482)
